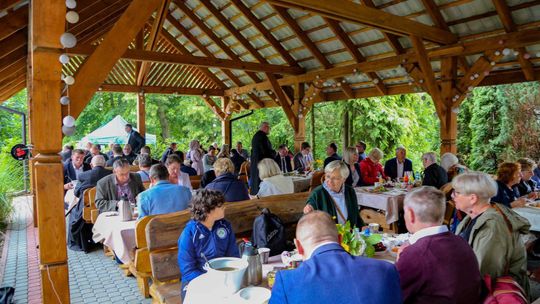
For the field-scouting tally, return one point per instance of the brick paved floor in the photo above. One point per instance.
(93, 277)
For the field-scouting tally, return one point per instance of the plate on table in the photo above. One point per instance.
(532, 204)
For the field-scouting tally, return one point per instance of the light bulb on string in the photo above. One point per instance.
(72, 17)
(65, 100)
(71, 4)
(64, 58)
(506, 51)
(69, 80)
(68, 121)
(68, 40)
(68, 131)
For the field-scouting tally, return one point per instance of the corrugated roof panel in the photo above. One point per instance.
(527, 15)
(311, 64)
(339, 57)
(469, 9)
(366, 36)
(477, 26)
(330, 46)
(375, 49)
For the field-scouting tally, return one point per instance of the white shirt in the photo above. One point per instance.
(400, 167)
(183, 180)
(78, 171)
(275, 185)
(317, 247)
(427, 232)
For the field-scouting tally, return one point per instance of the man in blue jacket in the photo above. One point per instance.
(329, 274)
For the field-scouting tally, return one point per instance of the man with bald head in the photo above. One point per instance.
(331, 275)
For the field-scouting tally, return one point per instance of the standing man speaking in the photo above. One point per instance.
(260, 148)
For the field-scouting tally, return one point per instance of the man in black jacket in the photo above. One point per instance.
(434, 175)
(135, 140)
(300, 162)
(90, 178)
(260, 148)
(118, 153)
(331, 152)
(73, 168)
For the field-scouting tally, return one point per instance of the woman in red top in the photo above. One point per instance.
(371, 168)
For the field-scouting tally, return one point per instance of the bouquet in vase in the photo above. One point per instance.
(355, 242)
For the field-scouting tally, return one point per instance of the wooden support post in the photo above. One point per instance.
(449, 131)
(226, 123)
(299, 133)
(300, 130)
(141, 113)
(46, 25)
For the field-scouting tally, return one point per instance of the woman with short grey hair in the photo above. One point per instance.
(492, 230)
(273, 181)
(451, 164)
(335, 197)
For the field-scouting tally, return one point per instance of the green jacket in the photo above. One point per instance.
(320, 199)
(495, 248)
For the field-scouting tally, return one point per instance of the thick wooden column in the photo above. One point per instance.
(47, 21)
(447, 116)
(141, 113)
(299, 133)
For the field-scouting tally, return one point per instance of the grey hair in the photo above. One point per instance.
(376, 154)
(428, 204)
(121, 163)
(448, 160)
(430, 156)
(337, 165)
(478, 183)
(348, 154)
(264, 123)
(268, 168)
(400, 148)
(98, 161)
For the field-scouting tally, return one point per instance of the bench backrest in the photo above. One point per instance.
(89, 196)
(163, 231)
(195, 181)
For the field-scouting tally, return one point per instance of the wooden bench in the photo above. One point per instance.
(163, 231)
(90, 211)
(195, 181)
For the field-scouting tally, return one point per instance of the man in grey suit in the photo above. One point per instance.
(122, 182)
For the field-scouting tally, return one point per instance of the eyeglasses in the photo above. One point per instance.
(454, 193)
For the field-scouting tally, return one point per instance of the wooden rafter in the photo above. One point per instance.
(13, 22)
(283, 100)
(160, 90)
(512, 40)
(183, 59)
(96, 68)
(345, 10)
(212, 105)
(509, 26)
(264, 31)
(151, 44)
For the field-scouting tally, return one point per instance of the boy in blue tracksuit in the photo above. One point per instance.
(207, 233)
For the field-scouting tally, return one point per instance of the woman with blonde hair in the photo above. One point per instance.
(224, 152)
(350, 157)
(227, 182)
(273, 181)
(371, 168)
(196, 155)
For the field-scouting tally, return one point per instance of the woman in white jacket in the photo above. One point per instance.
(273, 181)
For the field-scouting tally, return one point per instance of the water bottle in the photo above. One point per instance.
(253, 275)
(124, 209)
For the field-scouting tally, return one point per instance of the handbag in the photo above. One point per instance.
(505, 290)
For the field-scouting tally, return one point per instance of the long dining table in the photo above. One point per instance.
(391, 201)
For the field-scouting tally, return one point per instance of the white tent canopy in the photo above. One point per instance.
(113, 132)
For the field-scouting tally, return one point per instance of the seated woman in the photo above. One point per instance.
(176, 176)
(371, 168)
(508, 174)
(227, 183)
(350, 157)
(334, 197)
(207, 234)
(526, 186)
(451, 164)
(273, 182)
(209, 159)
(486, 228)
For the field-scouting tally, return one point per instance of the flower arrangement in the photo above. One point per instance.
(356, 243)
(317, 164)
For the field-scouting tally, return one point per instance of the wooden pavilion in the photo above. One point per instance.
(249, 54)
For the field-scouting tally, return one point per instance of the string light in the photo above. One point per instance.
(68, 40)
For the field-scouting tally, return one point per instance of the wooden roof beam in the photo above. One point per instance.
(159, 90)
(265, 32)
(95, 69)
(525, 64)
(151, 44)
(283, 100)
(345, 10)
(212, 105)
(159, 57)
(13, 22)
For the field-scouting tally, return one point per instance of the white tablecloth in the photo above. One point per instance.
(117, 235)
(532, 214)
(390, 202)
(301, 183)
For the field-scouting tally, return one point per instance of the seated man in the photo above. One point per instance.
(396, 167)
(144, 162)
(437, 266)
(90, 178)
(186, 168)
(129, 154)
(301, 163)
(434, 175)
(73, 168)
(145, 151)
(94, 150)
(117, 154)
(329, 274)
(110, 189)
(162, 197)
(331, 152)
(283, 159)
